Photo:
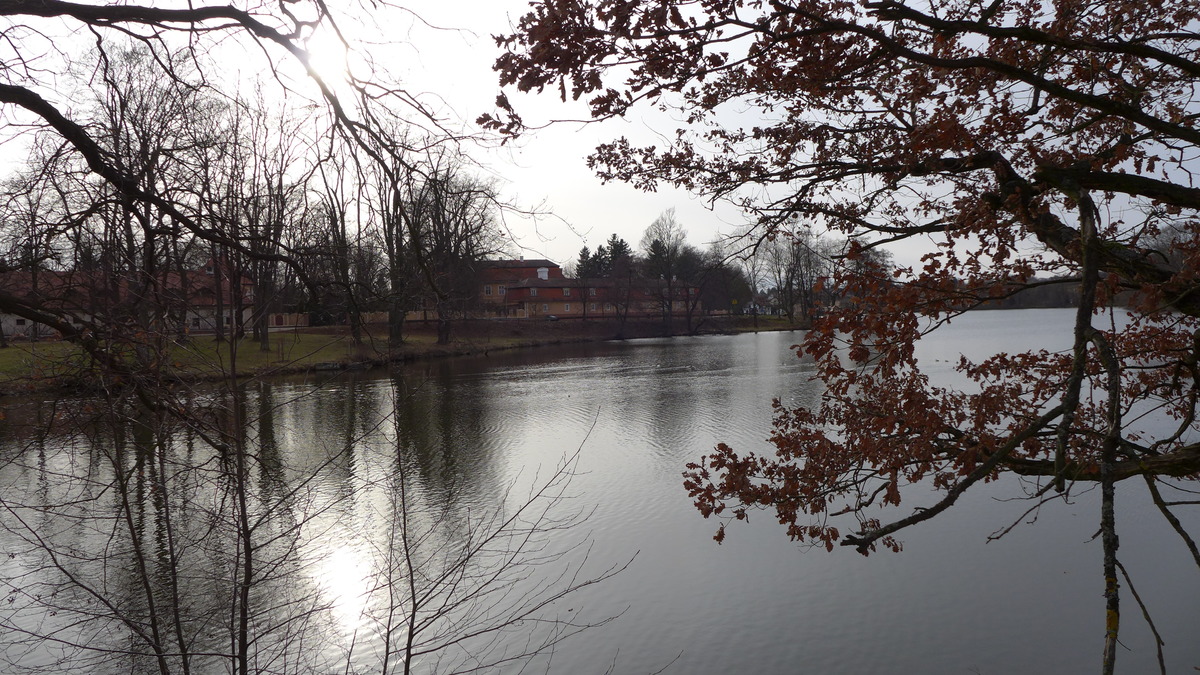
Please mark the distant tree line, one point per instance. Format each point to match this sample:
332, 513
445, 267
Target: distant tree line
789, 274
668, 267
1048, 292
793, 273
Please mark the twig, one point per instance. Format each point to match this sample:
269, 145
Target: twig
1158, 641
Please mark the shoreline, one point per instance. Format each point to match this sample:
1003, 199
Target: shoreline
329, 349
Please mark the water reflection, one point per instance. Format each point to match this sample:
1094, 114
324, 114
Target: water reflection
363, 482
237, 541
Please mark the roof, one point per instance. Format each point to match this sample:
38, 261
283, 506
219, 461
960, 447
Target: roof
86, 289
603, 282
513, 264
556, 282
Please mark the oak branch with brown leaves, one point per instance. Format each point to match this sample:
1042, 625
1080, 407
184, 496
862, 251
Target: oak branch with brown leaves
1016, 138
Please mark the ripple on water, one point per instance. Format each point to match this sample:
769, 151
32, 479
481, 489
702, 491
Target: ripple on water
468, 431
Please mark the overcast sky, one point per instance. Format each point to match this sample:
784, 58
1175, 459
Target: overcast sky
548, 165
443, 51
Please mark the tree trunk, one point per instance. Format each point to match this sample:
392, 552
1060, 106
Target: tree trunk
395, 303
443, 325
395, 324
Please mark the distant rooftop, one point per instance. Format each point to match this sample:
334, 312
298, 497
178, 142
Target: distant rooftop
509, 264
557, 282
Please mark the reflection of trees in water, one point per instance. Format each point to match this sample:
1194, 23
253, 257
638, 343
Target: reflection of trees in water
271, 532
137, 552
443, 430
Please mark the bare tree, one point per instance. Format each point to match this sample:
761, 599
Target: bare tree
797, 261
392, 199
452, 227
342, 233
274, 201
749, 253
663, 243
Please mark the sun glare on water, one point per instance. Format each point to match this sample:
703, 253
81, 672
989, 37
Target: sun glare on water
345, 576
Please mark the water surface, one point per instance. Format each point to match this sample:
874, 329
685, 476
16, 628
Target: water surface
471, 431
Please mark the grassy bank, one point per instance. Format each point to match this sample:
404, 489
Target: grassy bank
26, 366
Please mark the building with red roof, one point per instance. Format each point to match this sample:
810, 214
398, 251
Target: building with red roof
531, 289
189, 301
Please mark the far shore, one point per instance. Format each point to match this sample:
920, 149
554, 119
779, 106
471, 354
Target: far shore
47, 366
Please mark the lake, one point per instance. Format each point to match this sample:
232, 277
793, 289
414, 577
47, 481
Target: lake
469, 437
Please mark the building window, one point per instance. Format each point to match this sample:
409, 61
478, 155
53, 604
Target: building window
533, 292
592, 292
487, 290
592, 306
545, 307
500, 290
566, 292
566, 306
608, 307
227, 320
20, 322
